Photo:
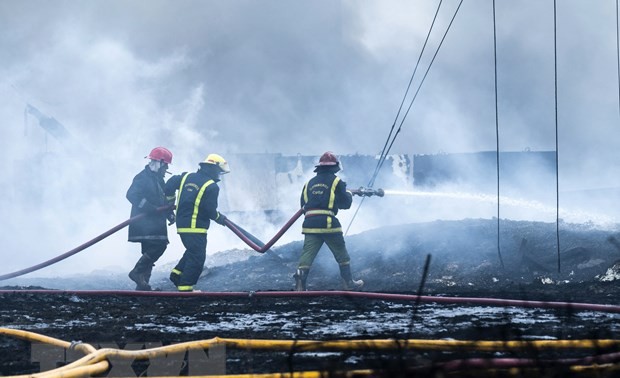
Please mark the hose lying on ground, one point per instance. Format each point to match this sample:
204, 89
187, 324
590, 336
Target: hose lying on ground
501, 302
96, 361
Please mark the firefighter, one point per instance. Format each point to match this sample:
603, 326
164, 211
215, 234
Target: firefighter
146, 194
321, 198
196, 207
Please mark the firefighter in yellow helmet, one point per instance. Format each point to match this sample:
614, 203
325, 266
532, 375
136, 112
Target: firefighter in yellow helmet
321, 198
196, 207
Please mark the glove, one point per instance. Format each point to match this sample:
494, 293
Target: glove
171, 218
220, 219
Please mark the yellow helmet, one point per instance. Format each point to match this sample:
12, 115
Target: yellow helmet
216, 159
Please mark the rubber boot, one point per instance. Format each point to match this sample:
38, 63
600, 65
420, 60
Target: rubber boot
348, 283
301, 275
140, 273
175, 276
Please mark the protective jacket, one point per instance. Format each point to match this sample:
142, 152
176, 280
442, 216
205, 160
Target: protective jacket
321, 198
146, 194
196, 201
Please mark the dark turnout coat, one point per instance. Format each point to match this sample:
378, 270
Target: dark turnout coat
321, 198
197, 200
146, 194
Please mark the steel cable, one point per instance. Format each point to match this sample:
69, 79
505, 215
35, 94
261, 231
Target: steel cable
557, 154
415, 69
499, 252
618, 52
390, 142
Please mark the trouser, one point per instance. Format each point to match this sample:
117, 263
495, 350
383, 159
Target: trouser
314, 242
193, 260
154, 249
151, 252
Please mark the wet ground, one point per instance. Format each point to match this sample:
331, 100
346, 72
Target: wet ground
129, 322
464, 261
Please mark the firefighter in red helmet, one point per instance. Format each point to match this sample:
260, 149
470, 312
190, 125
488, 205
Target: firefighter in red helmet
321, 198
146, 194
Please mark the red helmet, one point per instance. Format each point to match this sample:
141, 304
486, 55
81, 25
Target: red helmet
161, 154
328, 159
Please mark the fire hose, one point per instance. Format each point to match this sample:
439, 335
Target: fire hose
244, 235
97, 361
254, 243
81, 247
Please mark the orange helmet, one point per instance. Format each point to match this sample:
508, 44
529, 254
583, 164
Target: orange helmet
161, 154
328, 159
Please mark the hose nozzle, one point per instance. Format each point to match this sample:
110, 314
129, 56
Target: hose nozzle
367, 192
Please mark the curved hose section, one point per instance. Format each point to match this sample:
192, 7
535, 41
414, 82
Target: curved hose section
253, 242
81, 247
96, 362
244, 235
31, 336
571, 306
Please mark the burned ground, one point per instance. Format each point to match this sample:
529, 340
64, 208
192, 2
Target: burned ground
464, 261
464, 258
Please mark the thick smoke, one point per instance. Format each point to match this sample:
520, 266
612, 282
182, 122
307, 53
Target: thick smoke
238, 77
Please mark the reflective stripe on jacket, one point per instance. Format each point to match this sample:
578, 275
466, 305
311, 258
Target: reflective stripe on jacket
196, 201
321, 198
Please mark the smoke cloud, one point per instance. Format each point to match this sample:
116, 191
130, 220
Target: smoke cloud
277, 77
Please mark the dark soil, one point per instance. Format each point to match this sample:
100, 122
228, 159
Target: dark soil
463, 260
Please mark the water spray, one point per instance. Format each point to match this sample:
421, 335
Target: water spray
574, 215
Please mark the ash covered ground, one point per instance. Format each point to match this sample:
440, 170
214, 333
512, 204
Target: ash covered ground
464, 261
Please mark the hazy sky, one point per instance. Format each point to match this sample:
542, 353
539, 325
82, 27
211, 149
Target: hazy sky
235, 76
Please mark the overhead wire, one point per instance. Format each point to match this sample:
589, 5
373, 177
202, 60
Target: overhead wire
378, 166
371, 182
499, 252
391, 138
420, 85
618, 52
557, 154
